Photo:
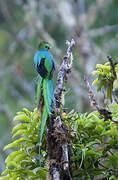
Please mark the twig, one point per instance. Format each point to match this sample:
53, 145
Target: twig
91, 95
103, 112
112, 66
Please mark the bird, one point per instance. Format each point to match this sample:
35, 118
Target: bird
45, 66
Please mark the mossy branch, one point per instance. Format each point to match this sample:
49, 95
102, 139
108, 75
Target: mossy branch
59, 146
64, 70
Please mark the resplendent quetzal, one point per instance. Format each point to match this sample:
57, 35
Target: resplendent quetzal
45, 66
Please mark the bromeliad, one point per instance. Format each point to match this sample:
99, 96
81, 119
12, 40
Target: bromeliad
45, 66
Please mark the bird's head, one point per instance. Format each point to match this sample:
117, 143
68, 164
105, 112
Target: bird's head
43, 45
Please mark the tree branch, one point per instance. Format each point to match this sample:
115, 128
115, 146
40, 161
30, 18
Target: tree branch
112, 66
58, 136
65, 69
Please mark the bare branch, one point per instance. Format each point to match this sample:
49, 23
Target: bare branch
65, 69
91, 95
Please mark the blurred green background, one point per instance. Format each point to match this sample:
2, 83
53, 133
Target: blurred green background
24, 23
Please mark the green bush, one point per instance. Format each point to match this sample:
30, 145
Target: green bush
23, 163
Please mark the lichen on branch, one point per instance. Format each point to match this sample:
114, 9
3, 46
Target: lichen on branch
58, 148
64, 70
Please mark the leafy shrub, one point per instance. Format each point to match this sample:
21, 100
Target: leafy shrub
23, 162
94, 146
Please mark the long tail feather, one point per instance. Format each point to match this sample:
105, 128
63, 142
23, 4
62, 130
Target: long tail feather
43, 122
39, 90
52, 92
48, 93
47, 99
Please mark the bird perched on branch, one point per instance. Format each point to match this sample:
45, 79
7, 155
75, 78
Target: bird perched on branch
45, 66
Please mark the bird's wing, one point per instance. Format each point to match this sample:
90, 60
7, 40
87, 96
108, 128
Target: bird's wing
39, 90
41, 69
52, 71
50, 66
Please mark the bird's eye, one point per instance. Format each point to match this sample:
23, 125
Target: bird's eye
47, 47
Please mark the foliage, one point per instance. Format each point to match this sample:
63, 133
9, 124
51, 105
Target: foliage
105, 78
93, 145
23, 162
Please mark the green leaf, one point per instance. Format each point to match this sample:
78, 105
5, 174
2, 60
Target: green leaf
92, 143
35, 115
90, 152
15, 143
21, 116
6, 171
41, 171
20, 157
113, 160
74, 158
86, 164
12, 163
113, 178
100, 84
114, 130
20, 126
27, 112
14, 155
99, 128
95, 81
21, 132
5, 178
84, 150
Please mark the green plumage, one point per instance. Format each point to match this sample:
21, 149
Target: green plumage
44, 63
47, 99
39, 90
